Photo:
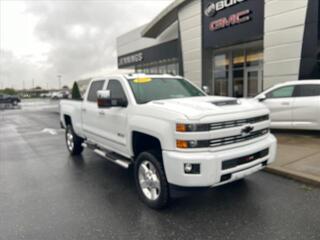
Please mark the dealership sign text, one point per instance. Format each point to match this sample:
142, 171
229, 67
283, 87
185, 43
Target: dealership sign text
234, 19
213, 8
134, 58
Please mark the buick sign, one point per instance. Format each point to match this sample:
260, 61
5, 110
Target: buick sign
213, 8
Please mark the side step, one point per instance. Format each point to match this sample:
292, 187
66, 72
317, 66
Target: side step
111, 156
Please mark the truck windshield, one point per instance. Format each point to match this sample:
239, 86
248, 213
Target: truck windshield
150, 89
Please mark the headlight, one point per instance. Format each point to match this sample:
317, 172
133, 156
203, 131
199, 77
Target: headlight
181, 127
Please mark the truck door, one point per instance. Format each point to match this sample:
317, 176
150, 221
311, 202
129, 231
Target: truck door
90, 112
112, 121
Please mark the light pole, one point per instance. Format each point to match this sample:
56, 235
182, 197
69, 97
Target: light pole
59, 79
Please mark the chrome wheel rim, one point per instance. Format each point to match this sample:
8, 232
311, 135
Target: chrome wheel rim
149, 180
70, 142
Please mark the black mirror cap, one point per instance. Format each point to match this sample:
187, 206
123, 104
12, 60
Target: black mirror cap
104, 103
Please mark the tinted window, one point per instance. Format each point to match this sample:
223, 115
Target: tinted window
116, 90
283, 92
94, 88
307, 91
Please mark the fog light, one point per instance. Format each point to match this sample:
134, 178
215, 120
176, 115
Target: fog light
190, 168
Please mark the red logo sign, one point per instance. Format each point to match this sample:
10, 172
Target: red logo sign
234, 19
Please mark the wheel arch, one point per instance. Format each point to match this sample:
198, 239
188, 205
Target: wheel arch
67, 120
141, 142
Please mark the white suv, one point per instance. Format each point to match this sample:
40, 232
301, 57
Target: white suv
294, 105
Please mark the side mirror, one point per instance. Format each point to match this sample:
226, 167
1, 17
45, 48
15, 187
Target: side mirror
206, 89
262, 98
105, 100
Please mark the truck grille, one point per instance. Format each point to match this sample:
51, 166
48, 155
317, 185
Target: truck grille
237, 138
237, 123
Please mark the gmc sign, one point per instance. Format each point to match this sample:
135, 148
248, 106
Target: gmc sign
234, 19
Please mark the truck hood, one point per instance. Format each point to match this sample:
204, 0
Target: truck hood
200, 107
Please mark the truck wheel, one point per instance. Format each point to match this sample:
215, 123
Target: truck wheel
73, 141
151, 181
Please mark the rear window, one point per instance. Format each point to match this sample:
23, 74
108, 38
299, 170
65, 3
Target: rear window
309, 90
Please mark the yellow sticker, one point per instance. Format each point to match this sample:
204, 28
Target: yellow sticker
142, 80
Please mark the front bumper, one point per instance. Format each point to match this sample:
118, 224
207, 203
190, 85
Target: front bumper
211, 170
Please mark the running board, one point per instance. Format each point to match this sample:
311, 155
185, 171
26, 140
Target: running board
112, 157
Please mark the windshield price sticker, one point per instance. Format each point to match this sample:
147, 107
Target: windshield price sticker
142, 80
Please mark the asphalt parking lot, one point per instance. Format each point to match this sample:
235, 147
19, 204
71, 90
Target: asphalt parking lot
46, 194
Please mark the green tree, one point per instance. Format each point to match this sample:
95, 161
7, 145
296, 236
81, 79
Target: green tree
76, 92
9, 91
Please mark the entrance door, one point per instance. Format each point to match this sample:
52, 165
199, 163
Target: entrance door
252, 82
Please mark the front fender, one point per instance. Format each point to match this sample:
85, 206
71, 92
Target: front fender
158, 128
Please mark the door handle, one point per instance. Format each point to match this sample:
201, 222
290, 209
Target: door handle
285, 104
83, 109
101, 113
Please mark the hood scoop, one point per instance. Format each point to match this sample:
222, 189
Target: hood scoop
223, 103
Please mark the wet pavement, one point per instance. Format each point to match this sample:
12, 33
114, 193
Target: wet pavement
46, 194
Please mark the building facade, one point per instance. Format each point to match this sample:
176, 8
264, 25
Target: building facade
235, 47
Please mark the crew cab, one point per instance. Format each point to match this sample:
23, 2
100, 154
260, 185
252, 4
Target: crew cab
170, 132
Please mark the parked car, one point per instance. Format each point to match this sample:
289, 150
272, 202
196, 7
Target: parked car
60, 95
45, 95
9, 99
170, 131
294, 105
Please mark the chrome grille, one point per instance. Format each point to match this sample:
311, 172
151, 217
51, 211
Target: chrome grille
237, 123
237, 138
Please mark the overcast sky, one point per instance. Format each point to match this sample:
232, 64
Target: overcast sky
75, 38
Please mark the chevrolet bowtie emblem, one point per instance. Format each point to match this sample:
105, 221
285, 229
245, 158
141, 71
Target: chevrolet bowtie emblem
247, 130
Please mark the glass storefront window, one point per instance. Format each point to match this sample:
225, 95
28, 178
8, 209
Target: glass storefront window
169, 66
162, 69
238, 59
221, 62
221, 74
238, 83
254, 57
173, 69
221, 83
253, 82
238, 72
154, 70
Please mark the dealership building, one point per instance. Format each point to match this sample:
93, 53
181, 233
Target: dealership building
235, 47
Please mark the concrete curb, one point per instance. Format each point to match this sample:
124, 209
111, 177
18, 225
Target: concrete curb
298, 176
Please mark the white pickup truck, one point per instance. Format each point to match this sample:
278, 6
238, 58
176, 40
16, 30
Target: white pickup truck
170, 131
